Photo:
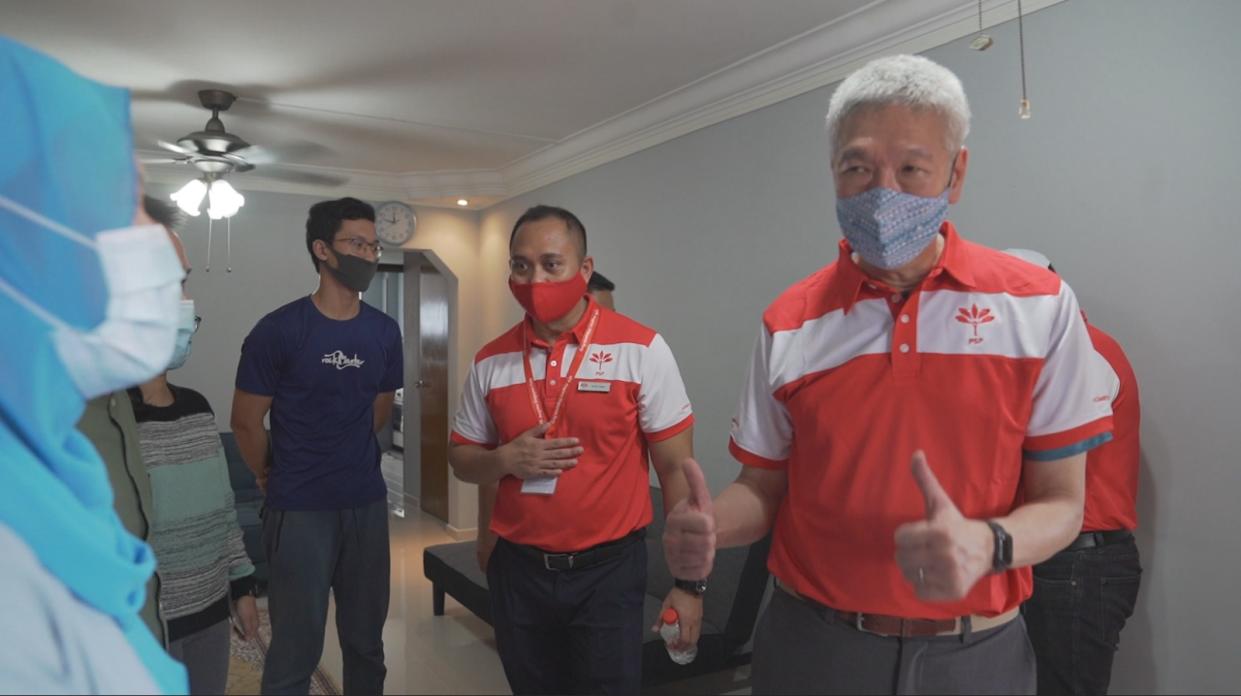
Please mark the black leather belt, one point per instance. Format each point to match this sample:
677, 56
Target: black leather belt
1090, 540
578, 560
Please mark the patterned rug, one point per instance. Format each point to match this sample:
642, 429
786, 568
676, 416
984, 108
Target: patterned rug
245, 663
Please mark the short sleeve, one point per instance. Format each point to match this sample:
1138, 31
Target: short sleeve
1072, 410
262, 359
762, 431
473, 424
394, 367
663, 405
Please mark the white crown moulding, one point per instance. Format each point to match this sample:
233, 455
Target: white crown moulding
814, 59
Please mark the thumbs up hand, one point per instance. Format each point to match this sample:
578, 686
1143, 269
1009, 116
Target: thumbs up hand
689, 530
945, 554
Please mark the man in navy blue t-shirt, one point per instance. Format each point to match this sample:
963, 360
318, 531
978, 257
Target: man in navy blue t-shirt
326, 367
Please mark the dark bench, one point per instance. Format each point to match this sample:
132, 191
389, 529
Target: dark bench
739, 585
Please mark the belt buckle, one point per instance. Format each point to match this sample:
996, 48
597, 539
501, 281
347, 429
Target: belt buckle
857, 623
547, 560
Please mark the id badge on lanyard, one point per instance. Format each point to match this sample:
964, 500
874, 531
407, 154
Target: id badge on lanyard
546, 485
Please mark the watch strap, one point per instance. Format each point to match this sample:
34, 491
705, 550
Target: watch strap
694, 587
1002, 556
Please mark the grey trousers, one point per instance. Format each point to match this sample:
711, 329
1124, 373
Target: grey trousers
799, 651
205, 656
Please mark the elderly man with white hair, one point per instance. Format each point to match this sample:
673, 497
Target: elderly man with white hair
913, 428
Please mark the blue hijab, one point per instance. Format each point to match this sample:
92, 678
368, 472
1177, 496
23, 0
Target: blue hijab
65, 153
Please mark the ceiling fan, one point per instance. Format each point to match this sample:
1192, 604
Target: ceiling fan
215, 152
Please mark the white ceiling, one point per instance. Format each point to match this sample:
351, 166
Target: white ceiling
433, 99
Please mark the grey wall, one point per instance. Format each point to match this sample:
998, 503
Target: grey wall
1123, 177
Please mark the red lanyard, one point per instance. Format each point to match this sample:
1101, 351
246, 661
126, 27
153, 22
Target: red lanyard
535, 401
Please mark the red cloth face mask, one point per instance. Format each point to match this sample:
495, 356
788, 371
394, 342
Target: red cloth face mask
549, 301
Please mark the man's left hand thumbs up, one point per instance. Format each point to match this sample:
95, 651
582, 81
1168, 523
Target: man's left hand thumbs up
945, 554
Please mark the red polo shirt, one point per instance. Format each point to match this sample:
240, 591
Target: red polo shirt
627, 393
1112, 469
985, 364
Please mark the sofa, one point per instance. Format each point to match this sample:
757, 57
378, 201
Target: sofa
249, 503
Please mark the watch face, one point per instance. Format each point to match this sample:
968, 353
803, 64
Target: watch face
394, 223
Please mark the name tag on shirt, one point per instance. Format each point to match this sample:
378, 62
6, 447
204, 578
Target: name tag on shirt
542, 485
597, 387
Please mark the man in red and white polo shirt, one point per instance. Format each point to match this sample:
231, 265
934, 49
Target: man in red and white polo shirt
563, 411
1084, 595
913, 427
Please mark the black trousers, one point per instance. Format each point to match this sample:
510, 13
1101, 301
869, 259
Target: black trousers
344, 552
1081, 601
570, 631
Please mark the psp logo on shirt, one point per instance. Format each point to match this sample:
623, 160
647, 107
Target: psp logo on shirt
600, 359
340, 362
975, 317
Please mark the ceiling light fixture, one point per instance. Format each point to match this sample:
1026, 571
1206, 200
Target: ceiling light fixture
462, 202
190, 196
983, 41
223, 202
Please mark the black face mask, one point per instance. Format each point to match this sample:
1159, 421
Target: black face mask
353, 272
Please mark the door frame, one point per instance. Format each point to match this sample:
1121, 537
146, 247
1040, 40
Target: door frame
413, 409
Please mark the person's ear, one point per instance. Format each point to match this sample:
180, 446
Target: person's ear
959, 165
588, 267
320, 248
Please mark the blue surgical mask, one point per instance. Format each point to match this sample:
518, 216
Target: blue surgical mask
187, 324
887, 228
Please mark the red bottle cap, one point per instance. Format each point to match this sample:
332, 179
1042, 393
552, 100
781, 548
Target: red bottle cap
669, 616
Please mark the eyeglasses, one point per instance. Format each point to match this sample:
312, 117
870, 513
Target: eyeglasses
359, 245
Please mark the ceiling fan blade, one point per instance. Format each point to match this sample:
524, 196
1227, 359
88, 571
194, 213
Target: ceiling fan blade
162, 160
175, 148
293, 152
296, 176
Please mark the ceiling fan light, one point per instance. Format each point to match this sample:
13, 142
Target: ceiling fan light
224, 200
190, 196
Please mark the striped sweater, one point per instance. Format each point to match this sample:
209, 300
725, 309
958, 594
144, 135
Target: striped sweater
194, 530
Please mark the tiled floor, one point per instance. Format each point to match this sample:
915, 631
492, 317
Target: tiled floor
426, 654
454, 653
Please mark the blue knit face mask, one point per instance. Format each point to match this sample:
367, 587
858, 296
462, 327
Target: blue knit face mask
887, 228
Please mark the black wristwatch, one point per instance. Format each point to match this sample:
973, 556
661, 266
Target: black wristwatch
1002, 559
694, 587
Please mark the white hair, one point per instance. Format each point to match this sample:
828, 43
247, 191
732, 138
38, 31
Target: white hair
912, 81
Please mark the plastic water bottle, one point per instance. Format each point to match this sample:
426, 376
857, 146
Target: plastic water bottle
670, 631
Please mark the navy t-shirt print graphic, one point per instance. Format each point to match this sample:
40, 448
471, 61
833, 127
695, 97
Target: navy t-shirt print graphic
338, 360
323, 376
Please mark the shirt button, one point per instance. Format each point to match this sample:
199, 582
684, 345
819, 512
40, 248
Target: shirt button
904, 318
904, 347
896, 297
553, 363
553, 382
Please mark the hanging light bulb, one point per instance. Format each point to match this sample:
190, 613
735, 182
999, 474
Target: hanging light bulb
1023, 111
190, 197
224, 200
983, 41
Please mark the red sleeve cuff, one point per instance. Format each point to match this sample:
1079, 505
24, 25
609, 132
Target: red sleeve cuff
748, 458
675, 430
459, 439
1066, 438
